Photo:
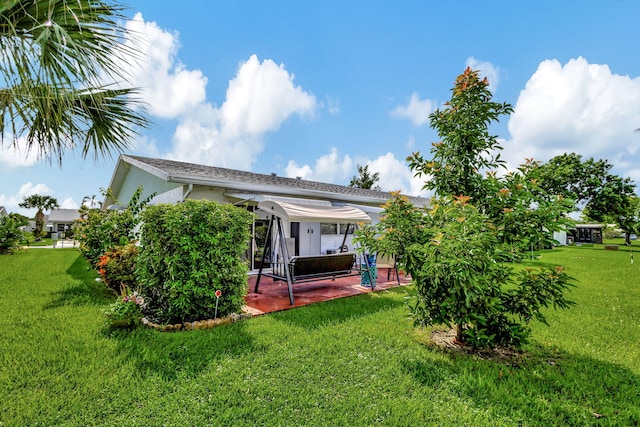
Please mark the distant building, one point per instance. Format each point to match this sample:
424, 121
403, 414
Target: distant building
587, 233
3, 212
61, 220
173, 182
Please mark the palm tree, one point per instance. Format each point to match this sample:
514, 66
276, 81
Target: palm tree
42, 203
89, 203
365, 179
56, 57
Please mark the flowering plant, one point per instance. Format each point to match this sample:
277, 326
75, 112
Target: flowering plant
126, 311
117, 265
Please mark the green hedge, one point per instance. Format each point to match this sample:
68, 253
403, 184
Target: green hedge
187, 252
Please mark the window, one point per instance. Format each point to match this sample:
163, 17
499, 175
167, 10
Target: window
328, 228
343, 227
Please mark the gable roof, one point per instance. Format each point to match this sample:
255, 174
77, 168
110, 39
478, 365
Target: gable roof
63, 215
247, 182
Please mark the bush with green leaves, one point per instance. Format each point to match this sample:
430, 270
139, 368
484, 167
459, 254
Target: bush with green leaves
100, 230
10, 235
187, 253
457, 264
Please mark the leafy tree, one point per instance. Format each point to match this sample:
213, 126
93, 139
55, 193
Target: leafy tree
57, 54
524, 214
455, 252
629, 219
599, 193
466, 147
42, 203
365, 179
10, 234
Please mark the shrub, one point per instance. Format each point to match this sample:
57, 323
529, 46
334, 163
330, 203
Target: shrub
10, 235
126, 311
187, 252
117, 267
101, 230
457, 264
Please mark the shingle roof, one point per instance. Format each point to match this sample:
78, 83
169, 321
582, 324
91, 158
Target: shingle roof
63, 215
182, 172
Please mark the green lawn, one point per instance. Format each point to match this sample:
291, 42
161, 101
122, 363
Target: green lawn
353, 362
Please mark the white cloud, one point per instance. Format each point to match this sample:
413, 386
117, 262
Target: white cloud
333, 105
578, 107
259, 99
30, 189
395, 175
10, 202
16, 155
168, 88
69, 203
417, 110
487, 69
327, 168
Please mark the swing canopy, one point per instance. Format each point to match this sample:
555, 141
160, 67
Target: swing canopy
294, 212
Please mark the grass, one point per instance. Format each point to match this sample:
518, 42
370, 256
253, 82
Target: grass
356, 361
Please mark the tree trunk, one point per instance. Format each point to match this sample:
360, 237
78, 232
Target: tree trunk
39, 225
459, 336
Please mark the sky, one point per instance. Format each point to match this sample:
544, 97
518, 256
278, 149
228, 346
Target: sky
314, 89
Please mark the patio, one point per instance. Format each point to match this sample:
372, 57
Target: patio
273, 295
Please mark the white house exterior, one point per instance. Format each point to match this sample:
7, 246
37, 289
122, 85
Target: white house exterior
61, 220
174, 182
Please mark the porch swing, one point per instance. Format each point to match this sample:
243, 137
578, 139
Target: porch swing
298, 269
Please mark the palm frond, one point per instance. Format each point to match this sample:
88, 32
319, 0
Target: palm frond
57, 55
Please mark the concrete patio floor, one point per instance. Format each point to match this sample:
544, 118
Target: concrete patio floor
274, 295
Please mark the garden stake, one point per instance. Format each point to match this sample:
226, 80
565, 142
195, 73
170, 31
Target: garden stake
218, 293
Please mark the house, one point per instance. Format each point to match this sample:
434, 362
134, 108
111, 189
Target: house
174, 181
587, 233
3, 212
61, 220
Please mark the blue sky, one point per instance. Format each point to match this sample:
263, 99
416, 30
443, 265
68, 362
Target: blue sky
313, 89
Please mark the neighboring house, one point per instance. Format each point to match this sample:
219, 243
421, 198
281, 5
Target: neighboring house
61, 220
587, 233
3, 212
174, 182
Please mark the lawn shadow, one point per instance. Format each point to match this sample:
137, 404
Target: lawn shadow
174, 355
84, 289
341, 310
546, 387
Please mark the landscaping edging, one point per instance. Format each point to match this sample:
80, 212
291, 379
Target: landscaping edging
198, 324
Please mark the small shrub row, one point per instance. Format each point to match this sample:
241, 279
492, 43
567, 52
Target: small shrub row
186, 259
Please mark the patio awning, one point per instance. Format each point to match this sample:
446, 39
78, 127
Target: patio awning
304, 213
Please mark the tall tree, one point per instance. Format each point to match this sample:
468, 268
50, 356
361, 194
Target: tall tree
42, 203
466, 148
57, 56
365, 179
455, 251
600, 194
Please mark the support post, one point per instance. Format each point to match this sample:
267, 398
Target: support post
267, 244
